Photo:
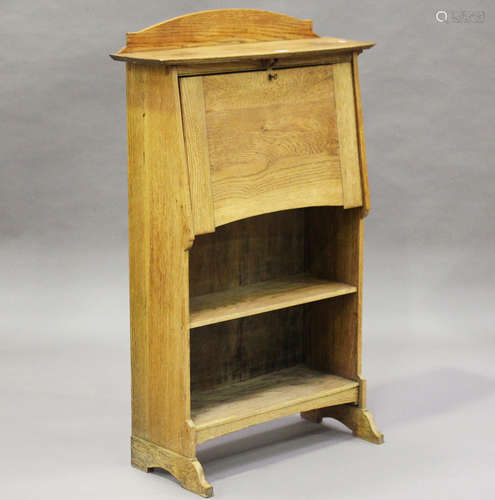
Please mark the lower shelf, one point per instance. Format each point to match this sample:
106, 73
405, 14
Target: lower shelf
233, 407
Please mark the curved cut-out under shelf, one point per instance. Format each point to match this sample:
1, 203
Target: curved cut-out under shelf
262, 297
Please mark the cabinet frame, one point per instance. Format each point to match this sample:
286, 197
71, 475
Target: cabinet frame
167, 211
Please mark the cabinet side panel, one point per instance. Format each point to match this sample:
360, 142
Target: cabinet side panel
348, 141
160, 232
334, 249
360, 132
139, 229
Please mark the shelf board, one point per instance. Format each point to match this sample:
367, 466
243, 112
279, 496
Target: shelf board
262, 297
232, 407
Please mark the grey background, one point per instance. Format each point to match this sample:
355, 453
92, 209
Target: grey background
429, 278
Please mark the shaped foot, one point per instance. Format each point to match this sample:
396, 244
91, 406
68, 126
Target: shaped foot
188, 471
359, 420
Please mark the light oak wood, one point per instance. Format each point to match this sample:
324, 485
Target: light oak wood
194, 119
262, 297
248, 251
360, 136
263, 248
246, 347
160, 232
247, 192
236, 406
234, 52
212, 27
346, 125
272, 142
147, 456
335, 251
359, 420
207, 68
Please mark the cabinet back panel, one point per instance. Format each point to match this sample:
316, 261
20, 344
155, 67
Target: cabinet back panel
324, 241
256, 249
243, 348
247, 251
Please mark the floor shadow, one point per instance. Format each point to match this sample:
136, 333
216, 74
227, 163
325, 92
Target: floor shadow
435, 392
267, 443
398, 402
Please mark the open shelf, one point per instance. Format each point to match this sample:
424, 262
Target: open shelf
262, 297
231, 407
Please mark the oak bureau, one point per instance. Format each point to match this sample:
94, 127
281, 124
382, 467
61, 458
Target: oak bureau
247, 194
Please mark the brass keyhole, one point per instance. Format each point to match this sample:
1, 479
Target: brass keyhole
272, 76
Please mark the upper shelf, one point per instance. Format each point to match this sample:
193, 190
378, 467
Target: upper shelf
231, 52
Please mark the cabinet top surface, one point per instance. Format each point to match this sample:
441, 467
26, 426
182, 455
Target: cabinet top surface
277, 49
230, 35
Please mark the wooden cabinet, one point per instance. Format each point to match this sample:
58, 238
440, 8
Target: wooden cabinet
247, 193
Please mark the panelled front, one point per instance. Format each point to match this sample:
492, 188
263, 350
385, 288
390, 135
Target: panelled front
264, 141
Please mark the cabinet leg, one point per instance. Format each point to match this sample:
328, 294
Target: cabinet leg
359, 420
188, 471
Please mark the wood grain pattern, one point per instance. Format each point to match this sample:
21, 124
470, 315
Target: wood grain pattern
234, 52
272, 143
262, 297
198, 163
360, 137
252, 250
147, 456
236, 406
249, 251
252, 90
160, 231
263, 163
347, 128
205, 68
212, 27
247, 347
359, 420
335, 252
289, 183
